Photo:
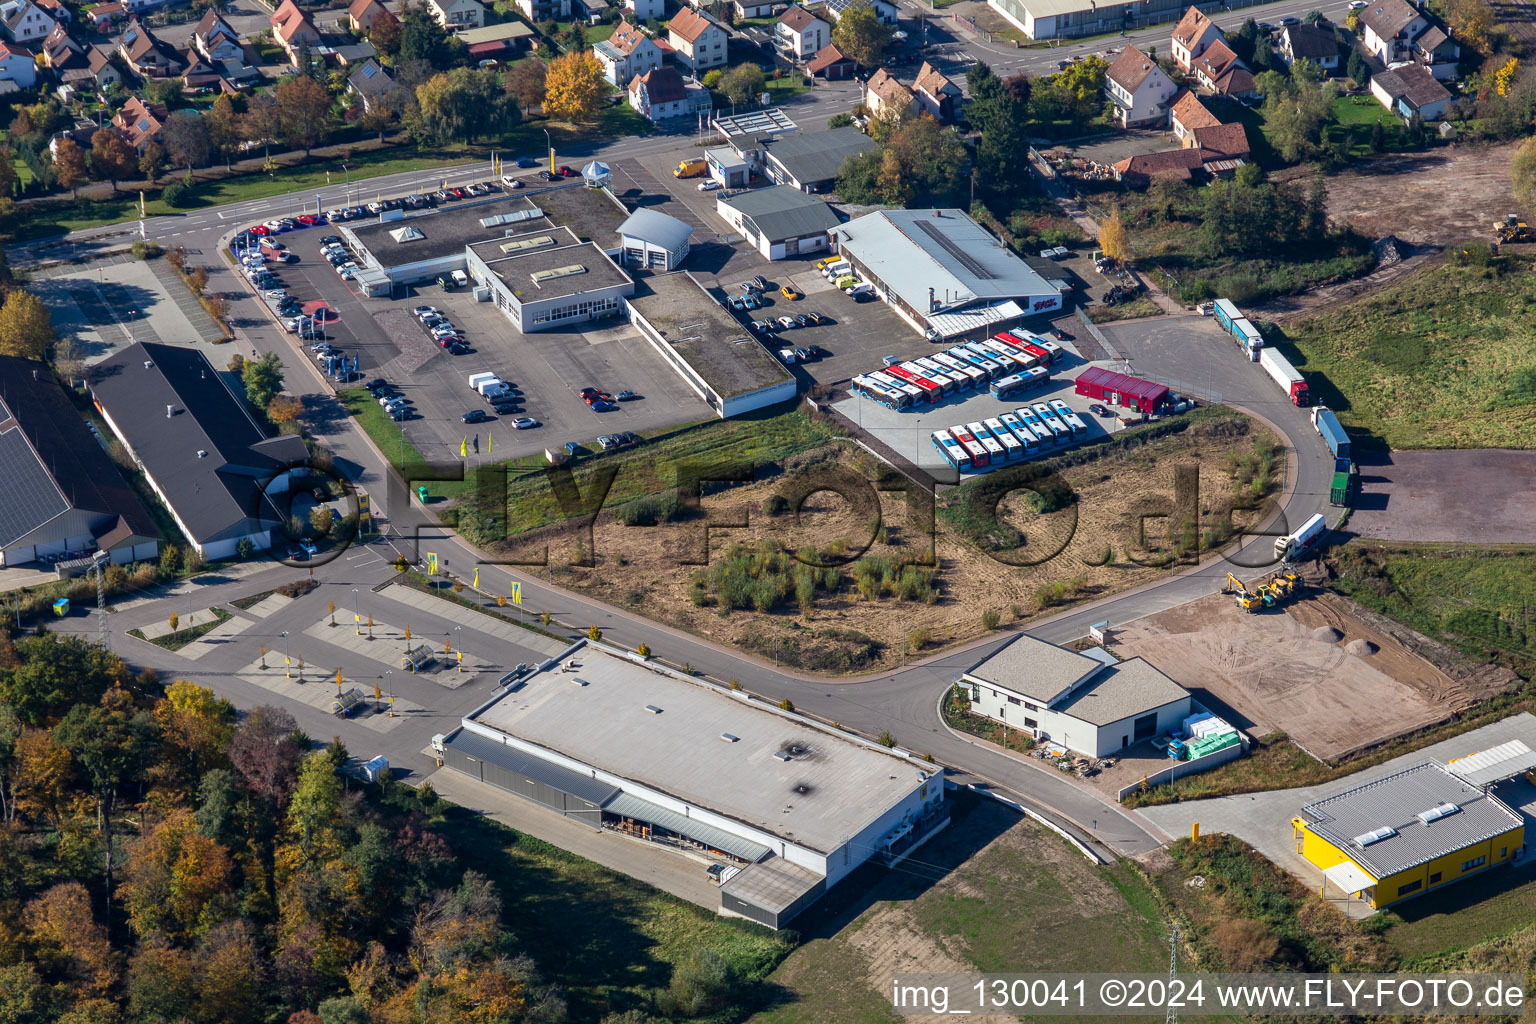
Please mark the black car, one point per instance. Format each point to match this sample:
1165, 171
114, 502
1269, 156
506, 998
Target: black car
474, 416
376, 384
625, 437
458, 348
507, 408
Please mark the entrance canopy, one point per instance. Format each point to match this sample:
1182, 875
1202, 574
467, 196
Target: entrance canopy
1348, 877
1495, 764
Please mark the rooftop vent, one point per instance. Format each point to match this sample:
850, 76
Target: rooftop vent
1437, 812
729, 738
170, 410
202, 453
780, 755
652, 709
579, 681
1375, 836
793, 750
148, 364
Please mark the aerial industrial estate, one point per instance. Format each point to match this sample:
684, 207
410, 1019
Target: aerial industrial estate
697, 511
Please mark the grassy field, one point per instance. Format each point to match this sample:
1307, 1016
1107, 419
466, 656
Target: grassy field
782, 89
386, 433
1443, 929
609, 941
179, 639
753, 441
1441, 359
990, 893
1133, 310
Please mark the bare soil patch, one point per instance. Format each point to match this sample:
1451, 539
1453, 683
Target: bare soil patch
1295, 670
1450, 194
652, 569
1449, 496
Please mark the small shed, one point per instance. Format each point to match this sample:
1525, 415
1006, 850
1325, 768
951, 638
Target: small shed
652, 240
1120, 389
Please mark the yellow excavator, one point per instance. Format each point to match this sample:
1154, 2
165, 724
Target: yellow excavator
1285, 584
1512, 229
1248, 602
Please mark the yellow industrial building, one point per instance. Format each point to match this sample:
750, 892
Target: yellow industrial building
1406, 834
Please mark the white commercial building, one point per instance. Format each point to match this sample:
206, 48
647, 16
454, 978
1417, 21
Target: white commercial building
788, 805
780, 221
546, 278
930, 265
1088, 702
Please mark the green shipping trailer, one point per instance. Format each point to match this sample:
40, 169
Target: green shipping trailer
1342, 493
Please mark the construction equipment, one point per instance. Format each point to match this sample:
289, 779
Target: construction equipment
1513, 229
1246, 600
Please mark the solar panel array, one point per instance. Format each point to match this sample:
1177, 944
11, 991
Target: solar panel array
964, 258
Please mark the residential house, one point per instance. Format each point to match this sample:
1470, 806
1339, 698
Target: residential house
103, 16
1388, 28
1192, 36
57, 11
293, 28
1220, 71
1310, 42
198, 73
698, 40
140, 122
1217, 151
17, 65
645, 10
752, 9
1139, 89
146, 55
60, 493
217, 40
103, 71
661, 93
1222, 140
60, 51
452, 14
831, 63
800, 35
198, 446
24, 22
884, 92
543, 10
371, 84
1187, 114
1411, 89
885, 11
362, 14
626, 53
1438, 52
936, 95
593, 11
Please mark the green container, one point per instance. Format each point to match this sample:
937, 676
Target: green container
1342, 490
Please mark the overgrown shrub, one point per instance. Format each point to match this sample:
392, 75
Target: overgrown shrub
146, 250
175, 194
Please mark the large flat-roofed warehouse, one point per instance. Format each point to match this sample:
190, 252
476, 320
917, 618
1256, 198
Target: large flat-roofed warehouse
420, 246
812, 160
707, 346
1068, 19
607, 738
1406, 834
545, 279
943, 273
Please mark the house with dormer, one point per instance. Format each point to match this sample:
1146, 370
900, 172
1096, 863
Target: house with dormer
626, 53
698, 40
140, 122
60, 51
800, 35
24, 22
216, 40
1315, 43
936, 95
1192, 36
145, 55
884, 93
1139, 89
1187, 114
103, 71
1222, 73
661, 93
371, 84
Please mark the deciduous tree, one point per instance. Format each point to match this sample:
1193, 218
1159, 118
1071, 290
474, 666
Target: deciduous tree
861, 35
1522, 173
69, 165
573, 87
69, 940
385, 35
266, 752
111, 157
303, 108
26, 327
1112, 236
743, 83
151, 160
224, 128
526, 83
197, 723
1471, 23
262, 378
187, 139
421, 37
262, 122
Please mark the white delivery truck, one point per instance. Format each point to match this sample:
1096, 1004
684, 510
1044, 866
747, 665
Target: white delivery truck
488, 383
476, 378
1293, 545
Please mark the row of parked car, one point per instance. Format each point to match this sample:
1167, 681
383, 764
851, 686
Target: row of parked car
503, 396
390, 398
441, 330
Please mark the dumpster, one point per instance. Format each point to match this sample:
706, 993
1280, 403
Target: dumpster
61, 607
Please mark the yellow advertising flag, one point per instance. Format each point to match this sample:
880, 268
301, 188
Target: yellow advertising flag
477, 577
490, 443
464, 447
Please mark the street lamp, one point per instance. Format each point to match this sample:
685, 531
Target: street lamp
287, 674
550, 149
389, 678
357, 619
460, 631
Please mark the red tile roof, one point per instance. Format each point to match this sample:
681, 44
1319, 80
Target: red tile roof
826, 57
1192, 114
1130, 69
690, 24
662, 85
1190, 26
1225, 139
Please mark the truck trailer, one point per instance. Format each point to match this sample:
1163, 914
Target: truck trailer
1293, 545
1327, 424
1284, 374
1248, 337
1342, 492
1226, 313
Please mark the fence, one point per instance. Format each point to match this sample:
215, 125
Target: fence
1179, 769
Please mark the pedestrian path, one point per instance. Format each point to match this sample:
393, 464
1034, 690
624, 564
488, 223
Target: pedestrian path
483, 623
222, 574
179, 293
318, 691
268, 605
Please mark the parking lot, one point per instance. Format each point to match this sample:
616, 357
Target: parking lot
549, 368
908, 433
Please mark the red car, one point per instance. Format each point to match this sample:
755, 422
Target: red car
259, 229
600, 396
566, 171
307, 219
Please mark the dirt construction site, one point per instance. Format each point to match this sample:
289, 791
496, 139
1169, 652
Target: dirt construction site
1437, 198
1332, 676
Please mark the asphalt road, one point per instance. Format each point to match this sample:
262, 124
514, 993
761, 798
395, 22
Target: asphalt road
903, 703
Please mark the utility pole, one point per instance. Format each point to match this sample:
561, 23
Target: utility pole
1173, 969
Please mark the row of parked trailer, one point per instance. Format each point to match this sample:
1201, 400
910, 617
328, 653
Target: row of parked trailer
1271, 362
1009, 437
1009, 364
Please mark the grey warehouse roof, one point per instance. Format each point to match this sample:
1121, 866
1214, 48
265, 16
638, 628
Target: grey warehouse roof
816, 156
546, 273
657, 228
1121, 691
783, 212
713, 342
1035, 669
913, 251
1395, 803
1495, 764
779, 773
447, 230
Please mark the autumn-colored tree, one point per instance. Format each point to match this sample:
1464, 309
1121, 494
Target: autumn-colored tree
262, 122
385, 34
69, 165
229, 975
68, 940
112, 158
162, 982
176, 883
224, 128
573, 87
1471, 23
26, 326
1113, 238
303, 108
526, 83
198, 724
284, 409
1522, 173
43, 772
8, 175
151, 161
266, 752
